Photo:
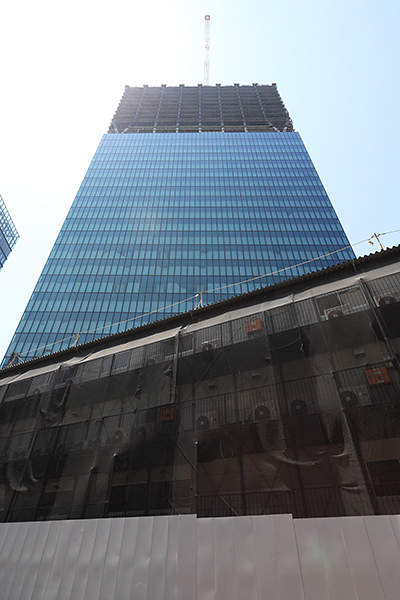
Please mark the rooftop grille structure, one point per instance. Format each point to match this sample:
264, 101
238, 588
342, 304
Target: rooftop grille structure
8, 233
202, 108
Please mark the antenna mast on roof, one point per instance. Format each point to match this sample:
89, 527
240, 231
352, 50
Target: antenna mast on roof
207, 50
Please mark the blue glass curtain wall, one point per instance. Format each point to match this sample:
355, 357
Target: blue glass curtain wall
160, 218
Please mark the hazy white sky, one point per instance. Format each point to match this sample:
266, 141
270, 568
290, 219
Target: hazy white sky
64, 67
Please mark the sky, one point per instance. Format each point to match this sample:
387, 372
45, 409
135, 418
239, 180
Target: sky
64, 67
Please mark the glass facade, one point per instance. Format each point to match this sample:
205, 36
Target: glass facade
163, 217
8, 233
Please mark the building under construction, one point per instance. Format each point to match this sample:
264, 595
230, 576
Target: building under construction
276, 405
228, 440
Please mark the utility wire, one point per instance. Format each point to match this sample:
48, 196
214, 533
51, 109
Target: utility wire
97, 329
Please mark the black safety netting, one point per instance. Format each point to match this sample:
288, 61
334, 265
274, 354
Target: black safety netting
292, 408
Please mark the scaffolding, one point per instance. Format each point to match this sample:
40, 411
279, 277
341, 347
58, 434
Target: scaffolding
289, 403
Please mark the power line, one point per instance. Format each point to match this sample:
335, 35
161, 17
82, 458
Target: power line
76, 336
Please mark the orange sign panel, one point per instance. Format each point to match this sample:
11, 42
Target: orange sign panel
167, 413
377, 376
253, 325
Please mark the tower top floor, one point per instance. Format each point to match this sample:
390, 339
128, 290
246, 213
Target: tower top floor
183, 109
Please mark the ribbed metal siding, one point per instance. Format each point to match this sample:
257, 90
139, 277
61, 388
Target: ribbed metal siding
182, 558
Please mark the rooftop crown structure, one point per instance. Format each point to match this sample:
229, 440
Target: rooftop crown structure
193, 109
194, 195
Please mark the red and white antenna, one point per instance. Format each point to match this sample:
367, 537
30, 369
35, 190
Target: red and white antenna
207, 50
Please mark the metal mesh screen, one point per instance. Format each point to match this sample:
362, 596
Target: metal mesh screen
293, 409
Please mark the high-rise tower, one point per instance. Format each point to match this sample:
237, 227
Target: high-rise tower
8, 233
192, 191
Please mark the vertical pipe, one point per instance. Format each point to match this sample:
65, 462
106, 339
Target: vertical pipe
207, 50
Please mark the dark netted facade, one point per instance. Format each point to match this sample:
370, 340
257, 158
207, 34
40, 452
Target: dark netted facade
285, 400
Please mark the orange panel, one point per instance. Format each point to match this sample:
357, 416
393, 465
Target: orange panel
377, 375
253, 325
167, 413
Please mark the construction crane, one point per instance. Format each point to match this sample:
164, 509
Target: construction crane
207, 50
